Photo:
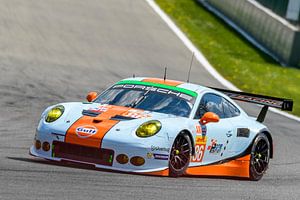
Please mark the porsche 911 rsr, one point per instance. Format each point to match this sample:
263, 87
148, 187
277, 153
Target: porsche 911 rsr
160, 127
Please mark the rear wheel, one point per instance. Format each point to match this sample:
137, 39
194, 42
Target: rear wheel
180, 155
260, 156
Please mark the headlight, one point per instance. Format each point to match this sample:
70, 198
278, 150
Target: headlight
54, 113
148, 129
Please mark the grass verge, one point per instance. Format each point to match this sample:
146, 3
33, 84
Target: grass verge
235, 58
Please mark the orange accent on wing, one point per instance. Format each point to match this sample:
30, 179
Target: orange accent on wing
162, 81
102, 123
164, 172
238, 167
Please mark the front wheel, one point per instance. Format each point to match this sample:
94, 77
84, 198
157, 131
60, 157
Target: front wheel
180, 155
260, 156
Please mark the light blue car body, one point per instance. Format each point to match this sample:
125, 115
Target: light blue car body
122, 138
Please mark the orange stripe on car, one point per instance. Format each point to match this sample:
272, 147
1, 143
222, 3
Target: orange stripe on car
164, 172
89, 131
162, 81
238, 167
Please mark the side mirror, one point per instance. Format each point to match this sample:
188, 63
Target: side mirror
91, 96
209, 117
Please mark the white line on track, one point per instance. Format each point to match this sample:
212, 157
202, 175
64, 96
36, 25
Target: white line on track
200, 57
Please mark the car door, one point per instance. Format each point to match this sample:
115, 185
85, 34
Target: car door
211, 138
240, 134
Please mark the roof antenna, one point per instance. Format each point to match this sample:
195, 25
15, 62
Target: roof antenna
165, 75
188, 79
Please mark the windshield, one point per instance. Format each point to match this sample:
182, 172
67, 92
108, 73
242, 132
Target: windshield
148, 98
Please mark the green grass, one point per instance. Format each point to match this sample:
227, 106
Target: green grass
231, 55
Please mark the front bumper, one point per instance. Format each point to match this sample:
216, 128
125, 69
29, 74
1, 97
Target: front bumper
153, 162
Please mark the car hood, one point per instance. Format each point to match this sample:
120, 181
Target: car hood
87, 123
75, 110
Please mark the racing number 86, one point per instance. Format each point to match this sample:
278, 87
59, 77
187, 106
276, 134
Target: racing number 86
199, 153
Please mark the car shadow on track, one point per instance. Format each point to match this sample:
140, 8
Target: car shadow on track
69, 164
61, 164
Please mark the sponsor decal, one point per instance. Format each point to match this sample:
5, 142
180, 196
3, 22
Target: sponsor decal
255, 99
204, 130
157, 148
214, 147
228, 134
224, 148
149, 155
155, 89
133, 113
198, 130
161, 156
100, 109
213, 142
86, 131
200, 139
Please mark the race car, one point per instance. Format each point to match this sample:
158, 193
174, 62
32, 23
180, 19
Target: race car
161, 127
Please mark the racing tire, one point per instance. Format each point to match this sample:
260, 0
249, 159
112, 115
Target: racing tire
180, 155
260, 156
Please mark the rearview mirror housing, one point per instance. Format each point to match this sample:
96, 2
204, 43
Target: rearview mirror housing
91, 96
209, 117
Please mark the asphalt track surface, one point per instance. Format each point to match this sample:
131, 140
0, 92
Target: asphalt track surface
57, 51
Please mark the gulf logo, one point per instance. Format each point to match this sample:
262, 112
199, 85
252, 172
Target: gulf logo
86, 131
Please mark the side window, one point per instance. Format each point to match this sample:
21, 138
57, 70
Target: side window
210, 103
229, 109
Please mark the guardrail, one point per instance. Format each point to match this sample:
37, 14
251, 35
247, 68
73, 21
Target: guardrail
288, 9
280, 38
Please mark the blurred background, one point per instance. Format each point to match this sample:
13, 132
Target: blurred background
253, 44
274, 24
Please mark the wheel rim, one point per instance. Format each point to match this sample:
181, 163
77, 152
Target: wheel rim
261, 156
180, 153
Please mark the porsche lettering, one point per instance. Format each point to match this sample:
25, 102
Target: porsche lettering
155, 89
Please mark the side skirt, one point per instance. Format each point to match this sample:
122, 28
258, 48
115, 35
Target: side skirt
238, 168
164, 172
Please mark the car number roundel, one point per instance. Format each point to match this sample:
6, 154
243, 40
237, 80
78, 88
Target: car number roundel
86, 131
199, 148
199, 153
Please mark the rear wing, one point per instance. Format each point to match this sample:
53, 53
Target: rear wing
266, 101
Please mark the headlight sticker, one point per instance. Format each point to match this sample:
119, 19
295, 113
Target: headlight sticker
54, 113
148, 129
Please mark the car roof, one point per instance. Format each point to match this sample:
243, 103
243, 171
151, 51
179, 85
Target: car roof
172, 83
195, 88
